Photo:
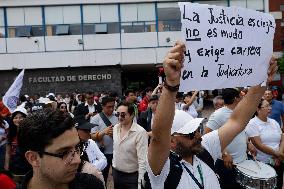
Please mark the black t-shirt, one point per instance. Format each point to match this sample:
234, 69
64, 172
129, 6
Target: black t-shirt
81, 181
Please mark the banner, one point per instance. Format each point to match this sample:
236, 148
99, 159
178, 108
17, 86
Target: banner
11, 97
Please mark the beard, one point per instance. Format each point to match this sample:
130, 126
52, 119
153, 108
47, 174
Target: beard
184, 150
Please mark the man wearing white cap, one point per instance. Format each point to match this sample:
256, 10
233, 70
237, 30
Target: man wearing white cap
185, 139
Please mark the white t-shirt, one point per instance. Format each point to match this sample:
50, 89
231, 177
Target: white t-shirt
211, 143
191, 110
269, 133
96, 157
237, 148
3, 133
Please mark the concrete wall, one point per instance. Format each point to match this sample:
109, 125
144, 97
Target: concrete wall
71, 79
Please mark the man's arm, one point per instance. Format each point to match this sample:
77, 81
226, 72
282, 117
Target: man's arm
244, 110
192, 99
159, 147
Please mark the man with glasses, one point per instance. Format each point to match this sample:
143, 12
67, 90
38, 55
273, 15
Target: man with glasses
194, 172
129, 149
102, 133
49, 142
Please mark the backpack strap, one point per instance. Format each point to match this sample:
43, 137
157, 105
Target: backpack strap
176, 169
175, 173
105, 119
173, 177
206, 157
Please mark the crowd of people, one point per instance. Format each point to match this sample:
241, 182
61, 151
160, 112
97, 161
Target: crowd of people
156, 140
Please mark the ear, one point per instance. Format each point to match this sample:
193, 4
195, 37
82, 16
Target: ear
33, 158
173, 142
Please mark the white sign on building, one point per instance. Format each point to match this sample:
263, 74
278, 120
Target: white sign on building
226, 46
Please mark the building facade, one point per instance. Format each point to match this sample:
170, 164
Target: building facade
81, 45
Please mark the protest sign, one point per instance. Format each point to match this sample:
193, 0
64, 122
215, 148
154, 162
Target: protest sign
226, 46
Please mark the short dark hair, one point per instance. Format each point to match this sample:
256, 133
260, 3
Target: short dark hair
229, 95
148, 89
90, 93
60, 103
128, 91
130, 107
41, 127
259, 106
106, 100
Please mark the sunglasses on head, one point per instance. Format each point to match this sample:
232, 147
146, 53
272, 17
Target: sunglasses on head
121, 114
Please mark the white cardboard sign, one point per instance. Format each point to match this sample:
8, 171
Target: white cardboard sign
226, 46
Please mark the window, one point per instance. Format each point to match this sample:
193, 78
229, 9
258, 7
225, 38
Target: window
24, 22
169, 17
282, 7
23, 31
138, 18
63, 20
2, 28
100, 19
238, 3
223, 3
255, 5
62, 30
101, 28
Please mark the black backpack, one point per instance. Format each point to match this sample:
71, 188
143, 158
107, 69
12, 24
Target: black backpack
176, 170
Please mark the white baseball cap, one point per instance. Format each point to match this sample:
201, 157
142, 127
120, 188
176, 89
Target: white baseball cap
190, 126
180, 120
21, 109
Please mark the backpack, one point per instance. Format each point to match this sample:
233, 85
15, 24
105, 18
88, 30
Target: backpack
176, 170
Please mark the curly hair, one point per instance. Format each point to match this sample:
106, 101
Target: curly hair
41, 127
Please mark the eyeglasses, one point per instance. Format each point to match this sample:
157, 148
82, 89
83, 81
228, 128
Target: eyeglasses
191, 136
63, 107
121, 114
66, 156
266, 106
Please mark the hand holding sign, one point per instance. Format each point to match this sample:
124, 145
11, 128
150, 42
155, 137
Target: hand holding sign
173, 64
226, 46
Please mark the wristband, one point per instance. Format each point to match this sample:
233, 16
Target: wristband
171, 88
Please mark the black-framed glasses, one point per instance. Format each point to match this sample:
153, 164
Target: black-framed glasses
63, 107
121, 114
66, 156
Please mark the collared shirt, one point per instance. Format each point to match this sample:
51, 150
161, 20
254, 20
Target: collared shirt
277, 111
107, 140
96, 157
211, 143
269, 133
91, 107
129, 153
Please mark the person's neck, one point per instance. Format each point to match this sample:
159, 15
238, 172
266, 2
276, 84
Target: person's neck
262, 118
189, 159
230, 106
108, 115
269, 100
35, 182
126, 126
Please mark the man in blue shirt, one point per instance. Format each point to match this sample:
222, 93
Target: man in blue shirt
277, 112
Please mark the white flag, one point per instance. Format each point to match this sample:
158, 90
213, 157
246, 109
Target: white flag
11, 97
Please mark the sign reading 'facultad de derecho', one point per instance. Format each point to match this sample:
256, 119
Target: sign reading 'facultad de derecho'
69, 78
226, 46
